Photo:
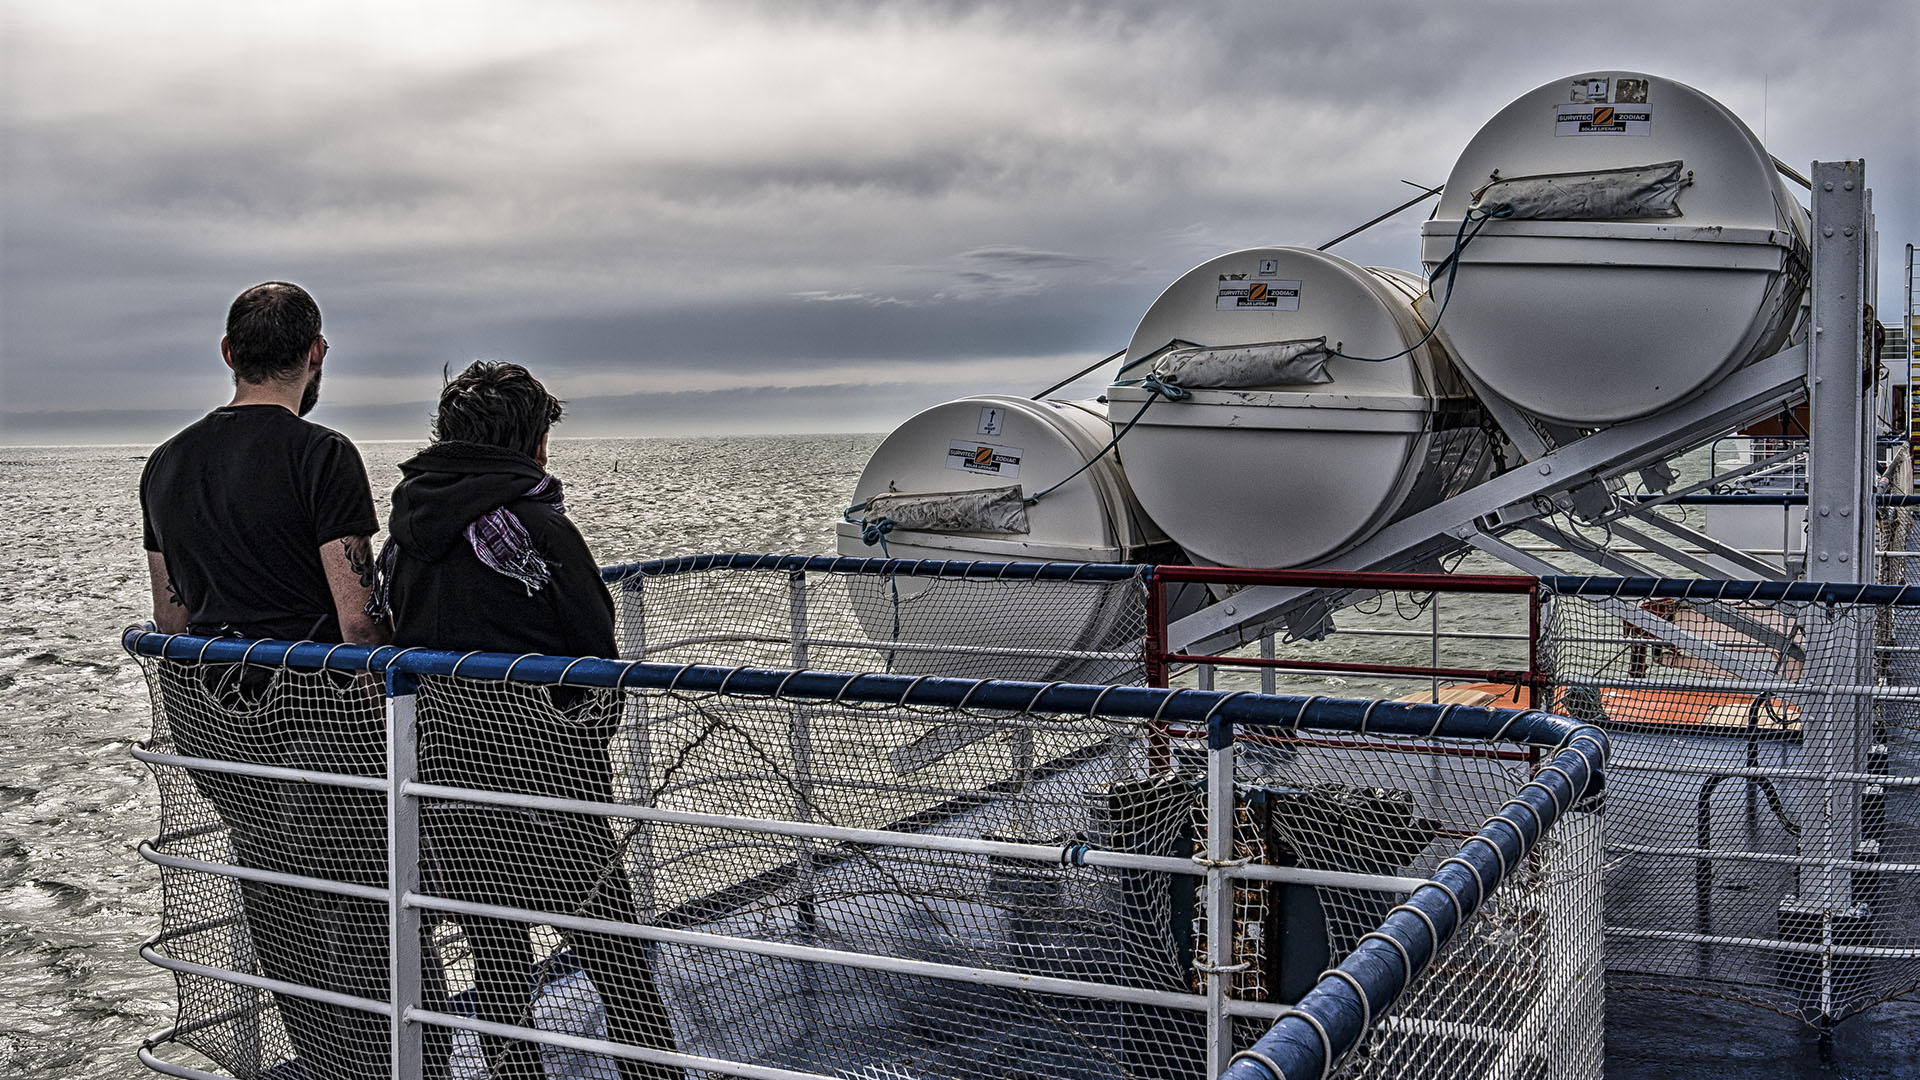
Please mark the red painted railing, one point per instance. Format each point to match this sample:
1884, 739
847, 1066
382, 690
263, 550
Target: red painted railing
1160, 661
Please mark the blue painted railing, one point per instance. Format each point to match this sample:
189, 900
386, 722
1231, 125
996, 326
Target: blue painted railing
1803, 592
979, 570
1310, 1037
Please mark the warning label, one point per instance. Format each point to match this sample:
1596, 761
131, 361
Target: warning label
1589, 89
1239, 294
986, 458
1602, 120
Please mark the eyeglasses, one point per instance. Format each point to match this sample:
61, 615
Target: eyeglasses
322, 339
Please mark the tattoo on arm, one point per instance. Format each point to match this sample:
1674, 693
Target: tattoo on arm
173, 595
359, 552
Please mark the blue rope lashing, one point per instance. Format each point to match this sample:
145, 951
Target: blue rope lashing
875, 532
871, 533
1168, 390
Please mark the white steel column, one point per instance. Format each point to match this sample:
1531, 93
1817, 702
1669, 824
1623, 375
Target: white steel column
1840, 464
1840, 456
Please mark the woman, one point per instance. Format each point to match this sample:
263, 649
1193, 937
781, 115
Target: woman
483, 557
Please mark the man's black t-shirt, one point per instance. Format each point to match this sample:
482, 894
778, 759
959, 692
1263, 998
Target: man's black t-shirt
240, 504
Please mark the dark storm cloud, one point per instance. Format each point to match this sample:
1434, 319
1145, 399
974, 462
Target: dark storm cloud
672, 193
863, 407
755, 335
1026, 258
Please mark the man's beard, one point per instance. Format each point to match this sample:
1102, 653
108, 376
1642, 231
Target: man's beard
311, 396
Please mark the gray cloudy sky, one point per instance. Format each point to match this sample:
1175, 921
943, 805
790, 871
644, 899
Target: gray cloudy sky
725, 217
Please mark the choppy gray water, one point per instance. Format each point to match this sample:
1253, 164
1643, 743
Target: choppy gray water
75, 997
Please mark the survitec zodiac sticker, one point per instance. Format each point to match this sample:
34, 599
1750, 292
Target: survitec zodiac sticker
1240, 293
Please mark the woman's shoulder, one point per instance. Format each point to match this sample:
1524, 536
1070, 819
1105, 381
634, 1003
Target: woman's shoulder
543, 518
556, 536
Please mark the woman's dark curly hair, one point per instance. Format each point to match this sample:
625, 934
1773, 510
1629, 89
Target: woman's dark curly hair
497, 404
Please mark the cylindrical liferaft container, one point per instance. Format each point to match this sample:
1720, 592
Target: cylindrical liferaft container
954, 483
1252, 434
1643, 246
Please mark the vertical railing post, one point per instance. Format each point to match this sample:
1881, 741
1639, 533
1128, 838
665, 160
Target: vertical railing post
1433, 646
1266, 673
800, 742
1907, 326
404, 947
1786, 539
1221, 818
1159, 752
1155, 643
636, 738
1536, 679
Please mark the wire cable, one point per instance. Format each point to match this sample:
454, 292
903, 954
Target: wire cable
1477, 219
1088, 370
1157, 390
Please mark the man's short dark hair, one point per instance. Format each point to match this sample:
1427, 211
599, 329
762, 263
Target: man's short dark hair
270, 327
497, 404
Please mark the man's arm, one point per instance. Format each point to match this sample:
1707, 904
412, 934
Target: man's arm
349, 565
169, 614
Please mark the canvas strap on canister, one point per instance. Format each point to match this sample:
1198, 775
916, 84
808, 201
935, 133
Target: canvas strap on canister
1641, 191
989, 510
1264, 363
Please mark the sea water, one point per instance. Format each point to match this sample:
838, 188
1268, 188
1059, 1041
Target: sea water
76, 899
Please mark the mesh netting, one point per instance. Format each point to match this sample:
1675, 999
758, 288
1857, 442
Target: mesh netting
827, 886
1519, 993
538, 742
1003, 777
297, 725
1763, 847
975, 627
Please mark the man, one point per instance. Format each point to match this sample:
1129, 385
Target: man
482, 556
258, 524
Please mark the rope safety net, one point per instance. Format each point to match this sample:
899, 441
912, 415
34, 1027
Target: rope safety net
822, 884
1766, 775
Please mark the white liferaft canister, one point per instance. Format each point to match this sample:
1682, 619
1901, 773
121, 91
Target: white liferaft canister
1009, 630
1290, 473
1587, 319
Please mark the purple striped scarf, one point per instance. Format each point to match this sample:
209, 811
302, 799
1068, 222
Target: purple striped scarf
501, 541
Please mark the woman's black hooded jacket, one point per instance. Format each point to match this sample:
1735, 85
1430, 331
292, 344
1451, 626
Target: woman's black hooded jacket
549, 741
443, 597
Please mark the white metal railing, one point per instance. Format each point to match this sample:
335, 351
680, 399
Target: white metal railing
1432, 906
